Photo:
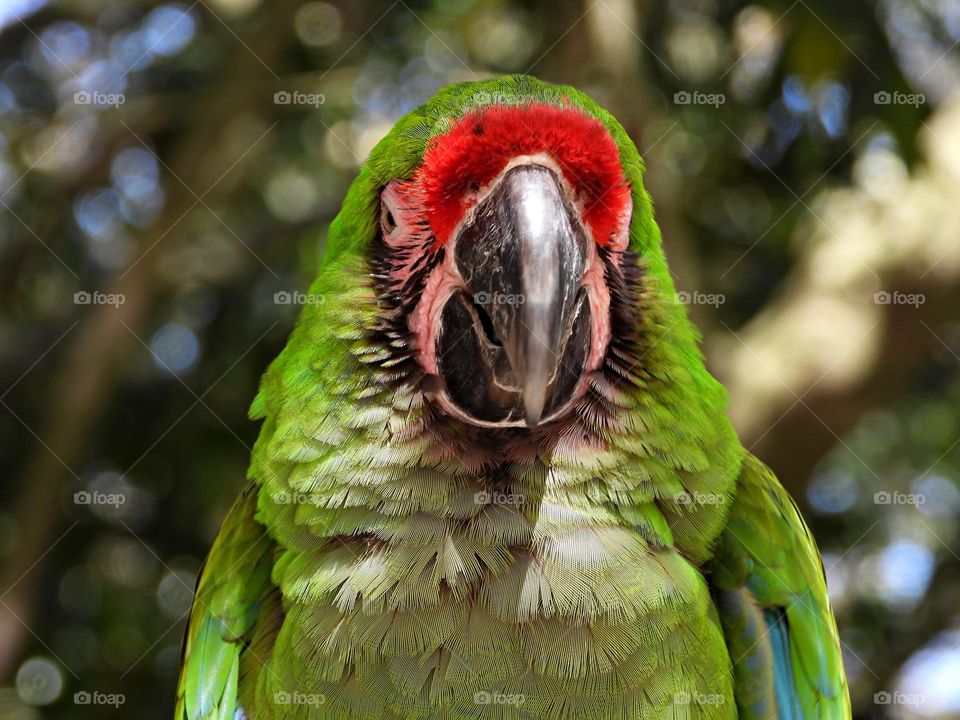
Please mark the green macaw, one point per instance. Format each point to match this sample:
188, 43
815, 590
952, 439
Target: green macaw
494, 478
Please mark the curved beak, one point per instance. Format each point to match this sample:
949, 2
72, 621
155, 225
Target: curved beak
522, 254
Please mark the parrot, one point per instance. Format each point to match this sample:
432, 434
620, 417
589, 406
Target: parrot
494, 477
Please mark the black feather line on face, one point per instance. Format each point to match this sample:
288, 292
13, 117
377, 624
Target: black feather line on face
628, 339
392, 329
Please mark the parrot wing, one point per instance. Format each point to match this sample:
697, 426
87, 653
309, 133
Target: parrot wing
236, 611
771, 594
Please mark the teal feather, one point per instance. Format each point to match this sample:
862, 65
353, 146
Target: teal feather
788, 701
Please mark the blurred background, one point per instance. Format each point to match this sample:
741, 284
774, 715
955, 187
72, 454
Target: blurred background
168, 172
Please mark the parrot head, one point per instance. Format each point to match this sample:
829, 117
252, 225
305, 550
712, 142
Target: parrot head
497, 250
494, 287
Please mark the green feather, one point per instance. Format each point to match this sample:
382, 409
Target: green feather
234, 584
768, 553
208, 673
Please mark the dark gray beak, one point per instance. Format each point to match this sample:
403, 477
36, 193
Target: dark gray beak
522, 256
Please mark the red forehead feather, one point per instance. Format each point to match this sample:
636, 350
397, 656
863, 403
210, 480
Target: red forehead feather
481, 143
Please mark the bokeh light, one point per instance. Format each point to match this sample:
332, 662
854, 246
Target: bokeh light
39, 681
